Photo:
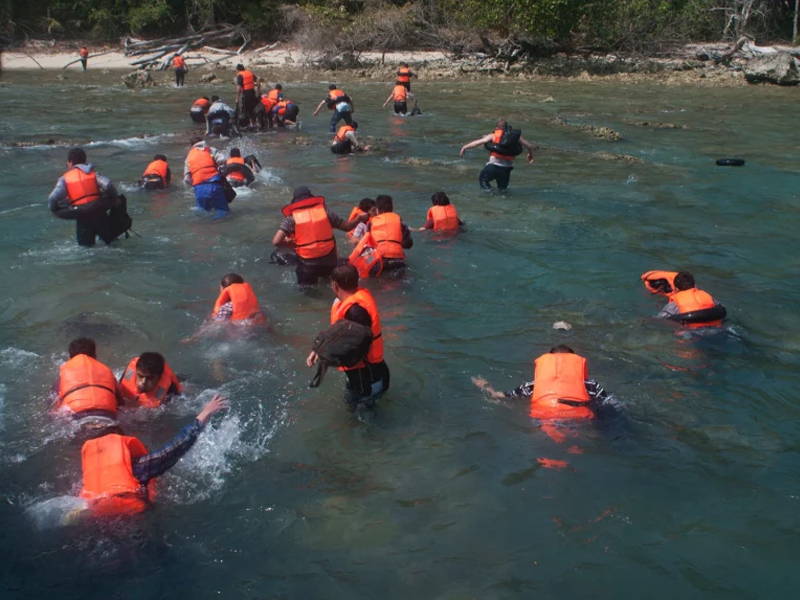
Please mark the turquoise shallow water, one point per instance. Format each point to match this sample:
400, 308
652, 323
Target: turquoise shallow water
691, 492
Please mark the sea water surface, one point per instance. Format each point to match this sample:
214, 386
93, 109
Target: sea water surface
690, 491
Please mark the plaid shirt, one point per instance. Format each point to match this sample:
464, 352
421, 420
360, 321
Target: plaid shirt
156, 463
225, 312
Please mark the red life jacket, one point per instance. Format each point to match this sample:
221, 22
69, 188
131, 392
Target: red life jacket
149, 399
87, 384
313, 234
560, 377
202, 103
245, 303
178, 62
400, 93
268, 102
236, 160
498, 133
248, 80
82, 188
202, 165
365, 263
445, 218
364, 299
157, 167
387, 230
84, 53
108, 481
334, 96
274, 95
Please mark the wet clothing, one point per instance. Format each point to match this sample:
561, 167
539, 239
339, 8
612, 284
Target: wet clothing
345, 140
596, 392
93, 223
401, 108
218, 118
156, 463
209, 193
364, 383
309, 270
224, 312
494, 172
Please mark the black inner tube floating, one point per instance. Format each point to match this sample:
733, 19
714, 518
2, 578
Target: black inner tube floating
730, 162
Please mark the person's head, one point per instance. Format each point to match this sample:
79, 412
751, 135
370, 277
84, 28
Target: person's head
301, 193
160, 157
344, 279
384, 203
235, 153
149, 369
76, 156
240, 67
367, 205
195, 140
278, 86
354, 125
92, 430
215, 98
82, 345
230, 279
332, 87
561, 349
501, 124
440, 199
684, 281
404, 64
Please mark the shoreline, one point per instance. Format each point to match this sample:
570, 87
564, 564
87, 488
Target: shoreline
294, 65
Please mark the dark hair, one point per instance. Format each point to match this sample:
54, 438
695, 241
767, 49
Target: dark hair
160, 157
561, 349
346, 277
278, 86
366, 203
440, 199
332, 86
231, 278
214, 98
92, 433
384, 203
354, 125
684, 281
195, 140
240, 67
404, 64
235, 152
151, 364
82, 345
77, 156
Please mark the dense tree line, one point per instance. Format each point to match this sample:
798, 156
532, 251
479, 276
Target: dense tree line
627, 25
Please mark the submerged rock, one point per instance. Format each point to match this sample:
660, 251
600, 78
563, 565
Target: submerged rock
208, 78
138, 79
603, 133
660, 125
779, 68
621, 157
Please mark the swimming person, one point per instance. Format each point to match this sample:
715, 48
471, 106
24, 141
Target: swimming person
442, 216
118, 470
236, 301
370, 377
340, 103
503, 144
149, 381
199, 108
237, 171
86, 197
691, 306
157, 175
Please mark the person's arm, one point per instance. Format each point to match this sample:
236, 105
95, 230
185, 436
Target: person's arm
106, 187
56, 198
224, 313
389, 98
156, 463
239, 88
339, 223
407, 242
358, 314
319, 106
410, 95
351, 135
596, 392
476, 143
169, 176
187, 173
526, 144
428, 225
285, 231
670, 310
523, 391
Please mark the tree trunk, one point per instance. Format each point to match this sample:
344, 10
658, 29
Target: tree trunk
794, 25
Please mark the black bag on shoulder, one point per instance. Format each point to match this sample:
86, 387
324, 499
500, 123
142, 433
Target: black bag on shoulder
343, 344
509, 144
120, 222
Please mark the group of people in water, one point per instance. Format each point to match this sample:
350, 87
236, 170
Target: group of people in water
118, 469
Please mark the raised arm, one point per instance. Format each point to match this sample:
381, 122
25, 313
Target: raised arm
319, 106
479, 142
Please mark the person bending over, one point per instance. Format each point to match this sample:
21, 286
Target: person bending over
157, 175
340, 103
391, 235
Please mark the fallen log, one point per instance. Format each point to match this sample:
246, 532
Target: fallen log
266, 48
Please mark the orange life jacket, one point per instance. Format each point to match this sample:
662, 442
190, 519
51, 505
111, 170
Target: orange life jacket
149, 399
341, 135
334, 95
87, 384
82, 188
178, 62
356, 212
245, 303
108, 481
692, 300
364, 299
202, 165
660, 282
387, 230
364, 263
236, 160
560, 377
202, 103
445, 218
498, 134
400, 93
268, 102
403, 75
157, 167
275, 96
84, 53
248, 80
312, 230
282, 105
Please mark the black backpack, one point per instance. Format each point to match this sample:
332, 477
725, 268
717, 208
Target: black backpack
343, 344
509, 143
119, 220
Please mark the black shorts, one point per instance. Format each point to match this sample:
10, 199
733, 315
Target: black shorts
344, 147
366, 383
405, 84
309, 271
153, 182
198, 116
250, 101
400, 108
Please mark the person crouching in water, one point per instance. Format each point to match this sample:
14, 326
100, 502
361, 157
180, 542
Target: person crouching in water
391, 235
236, 303
118, 470
218, 118
157, 175
442, 216
345, 140
370, 377
201, 172
237, 171
86, 388
85, 196
199, 109
149, 381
